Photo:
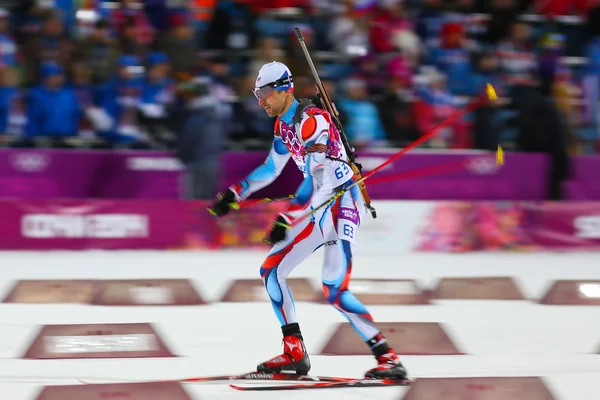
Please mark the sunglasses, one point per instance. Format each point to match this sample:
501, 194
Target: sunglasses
264, 92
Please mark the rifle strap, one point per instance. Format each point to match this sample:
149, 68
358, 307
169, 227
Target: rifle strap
303, 104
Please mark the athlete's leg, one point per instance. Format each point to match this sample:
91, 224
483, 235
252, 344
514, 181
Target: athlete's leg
300, 242
337, 265
340, 225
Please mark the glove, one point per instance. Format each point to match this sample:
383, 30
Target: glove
223, 203
278, 230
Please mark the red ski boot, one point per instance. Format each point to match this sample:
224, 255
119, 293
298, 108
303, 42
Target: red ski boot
293, 360
388, 367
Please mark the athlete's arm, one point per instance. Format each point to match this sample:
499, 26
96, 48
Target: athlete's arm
266, 173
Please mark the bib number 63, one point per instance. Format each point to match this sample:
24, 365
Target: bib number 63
342, 171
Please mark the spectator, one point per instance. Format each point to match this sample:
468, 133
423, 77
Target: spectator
222, 89
518, 61
430, 21
435, 103
158, 88
503, 14
100, 51
81, 84
52, 45
221, 86
158, 99
199, 151
130, 23
52, 110
159, 13
131, 38
66, 10
485, 70
487, 119
453, 57
120, 98
368, 69
550, 51
396, 105
591, 86
260, 6
541, 130
462, 12
565, 94
8, 48
13, 114
232, 26
554, 8
348, 33
179, 44
363, 127
389, 21
269, 49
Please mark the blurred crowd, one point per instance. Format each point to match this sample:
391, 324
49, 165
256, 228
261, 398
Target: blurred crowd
168, 74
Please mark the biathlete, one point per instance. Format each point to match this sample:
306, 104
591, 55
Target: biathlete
305, 133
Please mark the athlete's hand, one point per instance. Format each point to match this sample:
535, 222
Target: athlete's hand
223, 203
278, 230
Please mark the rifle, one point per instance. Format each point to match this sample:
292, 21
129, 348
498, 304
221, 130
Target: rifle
332, 110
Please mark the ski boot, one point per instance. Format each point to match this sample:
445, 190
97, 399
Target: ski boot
294, 359
388, 367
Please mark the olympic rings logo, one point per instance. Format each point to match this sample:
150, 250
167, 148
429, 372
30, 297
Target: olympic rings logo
30, 162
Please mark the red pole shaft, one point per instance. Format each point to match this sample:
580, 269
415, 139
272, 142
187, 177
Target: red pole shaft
445, 168
472, 105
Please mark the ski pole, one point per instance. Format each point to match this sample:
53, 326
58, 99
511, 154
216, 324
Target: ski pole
254, 202
438, 169
488, 95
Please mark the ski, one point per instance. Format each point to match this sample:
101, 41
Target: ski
258, 376
328, 385
249, 376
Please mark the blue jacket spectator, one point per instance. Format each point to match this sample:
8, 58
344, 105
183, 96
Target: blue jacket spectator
8, 48
429, 22
120, 98
364, 126
7, 100
158, 88
52, 109
485, 70
453, 58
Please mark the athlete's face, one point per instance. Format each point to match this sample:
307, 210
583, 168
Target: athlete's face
274, 102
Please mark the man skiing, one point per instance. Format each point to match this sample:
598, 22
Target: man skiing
307, 134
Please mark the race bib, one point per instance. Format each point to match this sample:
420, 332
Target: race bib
348, 220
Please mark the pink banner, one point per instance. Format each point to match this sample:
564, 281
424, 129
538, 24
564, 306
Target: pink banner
565, 226
173, 224
498, 226
104, 224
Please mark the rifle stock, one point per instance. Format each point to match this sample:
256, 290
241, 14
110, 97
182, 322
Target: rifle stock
332, 110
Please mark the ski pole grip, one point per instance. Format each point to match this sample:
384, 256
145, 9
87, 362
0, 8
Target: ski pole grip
298, 34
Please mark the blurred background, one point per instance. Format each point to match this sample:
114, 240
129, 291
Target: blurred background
121, 120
